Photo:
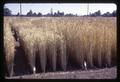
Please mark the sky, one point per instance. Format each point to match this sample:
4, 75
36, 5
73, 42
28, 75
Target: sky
75, 8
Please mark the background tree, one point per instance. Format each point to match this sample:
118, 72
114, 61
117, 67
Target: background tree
114, 13
55, 14
76, 15
18, 14
98, 13
30, 13
39, 14
107, 14
7, 12
34, 14
69, 15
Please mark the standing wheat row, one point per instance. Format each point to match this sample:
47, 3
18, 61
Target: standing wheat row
9, 48
38, 42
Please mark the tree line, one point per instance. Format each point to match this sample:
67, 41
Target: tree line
8, 12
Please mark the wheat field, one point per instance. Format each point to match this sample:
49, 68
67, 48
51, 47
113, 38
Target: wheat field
59, 40
9, 48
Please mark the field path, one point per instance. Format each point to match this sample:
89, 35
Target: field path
107, 73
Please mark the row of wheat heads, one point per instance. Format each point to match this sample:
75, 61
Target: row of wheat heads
93, 41
9, 48
58, 40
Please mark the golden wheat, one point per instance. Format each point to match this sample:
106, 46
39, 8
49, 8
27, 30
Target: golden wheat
9, 47
63, 39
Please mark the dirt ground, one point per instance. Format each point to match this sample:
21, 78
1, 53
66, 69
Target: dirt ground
106, 73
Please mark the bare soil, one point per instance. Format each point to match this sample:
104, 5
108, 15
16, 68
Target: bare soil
106, 73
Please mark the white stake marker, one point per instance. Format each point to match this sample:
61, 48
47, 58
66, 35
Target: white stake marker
85, 65
34, 69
